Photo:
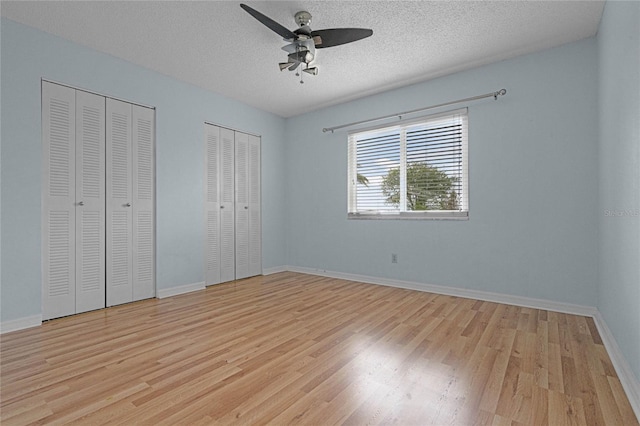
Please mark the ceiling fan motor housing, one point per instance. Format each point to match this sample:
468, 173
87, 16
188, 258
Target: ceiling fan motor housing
303, 18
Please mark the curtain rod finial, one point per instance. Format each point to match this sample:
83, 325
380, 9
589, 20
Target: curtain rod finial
500, 92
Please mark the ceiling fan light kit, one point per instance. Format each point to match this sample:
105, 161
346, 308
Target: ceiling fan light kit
303, 42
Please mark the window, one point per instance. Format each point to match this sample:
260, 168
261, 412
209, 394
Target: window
414, 170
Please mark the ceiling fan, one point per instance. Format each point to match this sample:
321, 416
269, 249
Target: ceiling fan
303, 42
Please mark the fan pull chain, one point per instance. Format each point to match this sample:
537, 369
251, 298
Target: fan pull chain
298, 74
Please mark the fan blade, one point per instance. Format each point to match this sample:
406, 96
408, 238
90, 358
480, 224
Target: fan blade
337, 36
270, 23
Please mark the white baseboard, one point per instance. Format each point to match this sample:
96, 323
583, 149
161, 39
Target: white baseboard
527, 302
275, 270
36, 320
181, 289
20, 324
630, 383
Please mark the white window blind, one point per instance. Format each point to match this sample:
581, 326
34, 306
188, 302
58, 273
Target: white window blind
414, 170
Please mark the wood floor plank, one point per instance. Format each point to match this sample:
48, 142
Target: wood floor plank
628, 417
292, 348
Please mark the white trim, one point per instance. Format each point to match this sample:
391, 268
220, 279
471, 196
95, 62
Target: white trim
424, 215
630, 383
275, 270
527, 302
211, 123
181, 289
20, 323
93, 92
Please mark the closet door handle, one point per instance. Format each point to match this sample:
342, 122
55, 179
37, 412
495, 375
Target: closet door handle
128, 205
81, 203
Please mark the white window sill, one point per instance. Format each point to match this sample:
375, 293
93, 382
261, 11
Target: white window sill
409, 216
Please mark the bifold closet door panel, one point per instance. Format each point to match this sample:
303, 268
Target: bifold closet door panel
119, 200
58, 201
143, 202
212, 204
242, 204
255, 211
90, 199
227, 204
248, 221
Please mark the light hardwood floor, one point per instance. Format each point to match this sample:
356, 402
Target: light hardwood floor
294, 348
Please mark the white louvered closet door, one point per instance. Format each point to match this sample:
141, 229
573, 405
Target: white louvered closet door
227, 198
255, 222
58, 201
248, 217
90, 202
242, 204
212, 204
119, 201
143, 202
98, 223
233, 244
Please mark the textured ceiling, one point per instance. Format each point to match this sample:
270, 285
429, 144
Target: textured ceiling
218, 46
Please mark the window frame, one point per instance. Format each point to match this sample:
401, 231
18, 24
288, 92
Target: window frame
402, 213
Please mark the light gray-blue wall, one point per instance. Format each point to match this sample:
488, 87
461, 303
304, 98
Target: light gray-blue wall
619, 175
181, 109
538, 225
532, 228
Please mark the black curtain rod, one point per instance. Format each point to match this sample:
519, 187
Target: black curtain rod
495, 95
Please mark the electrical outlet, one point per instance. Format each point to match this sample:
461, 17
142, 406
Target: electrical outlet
394, 258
